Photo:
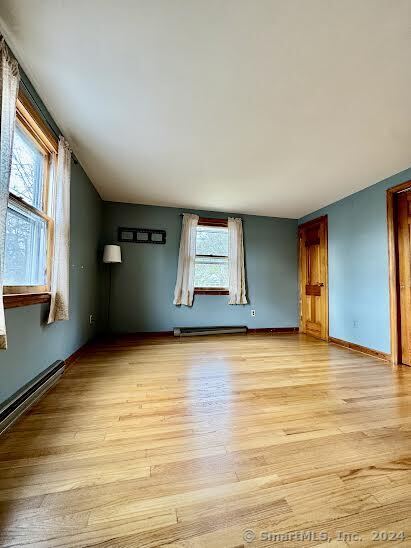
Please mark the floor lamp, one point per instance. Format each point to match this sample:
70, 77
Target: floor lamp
111, 255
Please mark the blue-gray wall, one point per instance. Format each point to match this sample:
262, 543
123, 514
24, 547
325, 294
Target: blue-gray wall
358, 265
143, 285
33, 346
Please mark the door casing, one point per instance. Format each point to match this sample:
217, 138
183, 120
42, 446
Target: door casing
393, 269
323, 219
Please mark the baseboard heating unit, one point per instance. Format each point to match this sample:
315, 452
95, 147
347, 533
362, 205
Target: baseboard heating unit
24, 398
217, 330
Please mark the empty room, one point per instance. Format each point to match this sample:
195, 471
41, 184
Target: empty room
205, 273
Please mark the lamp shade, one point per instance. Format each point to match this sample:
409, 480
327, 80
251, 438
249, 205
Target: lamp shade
112, 254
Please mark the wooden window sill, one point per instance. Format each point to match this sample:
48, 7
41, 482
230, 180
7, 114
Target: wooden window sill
210, 291
15, 300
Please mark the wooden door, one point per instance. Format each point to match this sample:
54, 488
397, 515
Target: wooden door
404, 274
313, 272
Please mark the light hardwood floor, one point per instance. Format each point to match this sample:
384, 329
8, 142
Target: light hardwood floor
190, 442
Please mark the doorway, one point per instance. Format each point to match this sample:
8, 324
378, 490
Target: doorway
399, 245
313, 277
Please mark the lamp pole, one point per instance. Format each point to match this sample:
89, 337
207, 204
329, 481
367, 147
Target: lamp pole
111, 255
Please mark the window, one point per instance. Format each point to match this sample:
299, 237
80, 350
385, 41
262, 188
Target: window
29, 223
211, 262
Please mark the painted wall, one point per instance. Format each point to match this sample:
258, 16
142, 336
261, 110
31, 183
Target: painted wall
33, 346
358, 265
143, 285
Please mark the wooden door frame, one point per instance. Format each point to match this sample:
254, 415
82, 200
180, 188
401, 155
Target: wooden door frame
393, 268
324, 219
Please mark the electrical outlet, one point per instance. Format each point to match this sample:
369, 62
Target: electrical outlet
91, 319
253, 313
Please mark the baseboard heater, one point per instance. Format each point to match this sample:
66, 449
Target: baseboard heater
24, 398
215, 330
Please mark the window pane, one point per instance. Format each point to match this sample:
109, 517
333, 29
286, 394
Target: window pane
25, 258
26, 178
211, 272
212, 241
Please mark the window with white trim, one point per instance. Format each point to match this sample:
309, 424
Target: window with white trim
29, 224
211, 262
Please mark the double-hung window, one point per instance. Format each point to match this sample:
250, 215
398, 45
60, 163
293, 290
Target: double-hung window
29, 224
211, 261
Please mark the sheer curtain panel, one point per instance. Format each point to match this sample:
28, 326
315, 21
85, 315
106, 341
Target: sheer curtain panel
236, 262
59, 305
9, 85
184, 290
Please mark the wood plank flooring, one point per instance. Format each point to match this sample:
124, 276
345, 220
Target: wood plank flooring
192, 442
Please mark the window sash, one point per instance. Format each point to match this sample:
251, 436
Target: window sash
34, 196
15, 289
213, 288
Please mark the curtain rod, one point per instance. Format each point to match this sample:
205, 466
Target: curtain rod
33, 99
201, 216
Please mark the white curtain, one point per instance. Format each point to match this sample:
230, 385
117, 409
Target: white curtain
236, 262
184, 291
59, 306
9, 84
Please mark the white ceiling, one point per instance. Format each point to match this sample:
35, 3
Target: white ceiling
272, 107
